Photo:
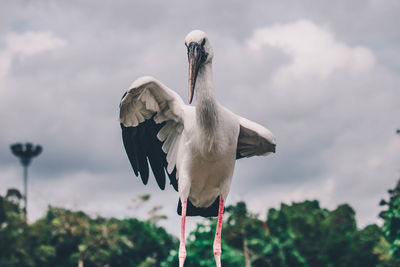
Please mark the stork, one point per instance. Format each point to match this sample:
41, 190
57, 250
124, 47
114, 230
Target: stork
196, 147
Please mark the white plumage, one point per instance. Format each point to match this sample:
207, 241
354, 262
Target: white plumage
199, 144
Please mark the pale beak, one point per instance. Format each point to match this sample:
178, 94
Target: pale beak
196, 57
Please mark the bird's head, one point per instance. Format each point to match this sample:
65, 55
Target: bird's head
199, 52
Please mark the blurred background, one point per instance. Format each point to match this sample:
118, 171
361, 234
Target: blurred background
322, 76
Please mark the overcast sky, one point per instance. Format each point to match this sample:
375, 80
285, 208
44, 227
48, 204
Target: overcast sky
323, 76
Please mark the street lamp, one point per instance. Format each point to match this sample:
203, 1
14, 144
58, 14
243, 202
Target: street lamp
25, 152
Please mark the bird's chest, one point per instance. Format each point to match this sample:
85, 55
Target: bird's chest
211, 146
209, 178
212, 157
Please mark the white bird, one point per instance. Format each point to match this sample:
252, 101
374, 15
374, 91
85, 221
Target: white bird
196, 146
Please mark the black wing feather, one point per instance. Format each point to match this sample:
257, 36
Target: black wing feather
127, 133
172, 178
142, 146
155, 154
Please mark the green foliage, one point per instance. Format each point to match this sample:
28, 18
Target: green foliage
260, 246
301, 234
323, 237
62, 231
391, 226
13, 229
64, 238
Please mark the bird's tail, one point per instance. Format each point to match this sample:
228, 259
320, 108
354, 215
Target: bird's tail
211, 211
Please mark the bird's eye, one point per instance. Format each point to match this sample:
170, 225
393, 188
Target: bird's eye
203, 42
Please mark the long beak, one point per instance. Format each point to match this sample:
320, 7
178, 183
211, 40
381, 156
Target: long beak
195, 55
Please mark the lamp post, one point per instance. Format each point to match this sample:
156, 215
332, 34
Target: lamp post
25, 152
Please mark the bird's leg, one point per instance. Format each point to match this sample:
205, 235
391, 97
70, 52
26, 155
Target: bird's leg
182, 248
217, 240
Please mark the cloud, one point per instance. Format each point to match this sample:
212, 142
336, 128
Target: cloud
26, 44
322, 190
313, 51
30, 43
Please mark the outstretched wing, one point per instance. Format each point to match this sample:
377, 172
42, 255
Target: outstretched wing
151, 117
254, 140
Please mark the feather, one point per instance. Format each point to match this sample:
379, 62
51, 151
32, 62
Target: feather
155, 155
150, 116
142, 154
254, 140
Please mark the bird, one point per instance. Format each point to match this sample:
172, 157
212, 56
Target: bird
195, 146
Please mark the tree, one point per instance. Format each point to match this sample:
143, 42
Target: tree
59, 233
78, 240
14, 248
300, 234
263, 243
391, 226
323, 237
240, 227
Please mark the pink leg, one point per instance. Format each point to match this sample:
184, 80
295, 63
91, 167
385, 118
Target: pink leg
217, 240
182, 248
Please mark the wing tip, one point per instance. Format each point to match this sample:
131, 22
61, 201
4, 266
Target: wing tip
273, 147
